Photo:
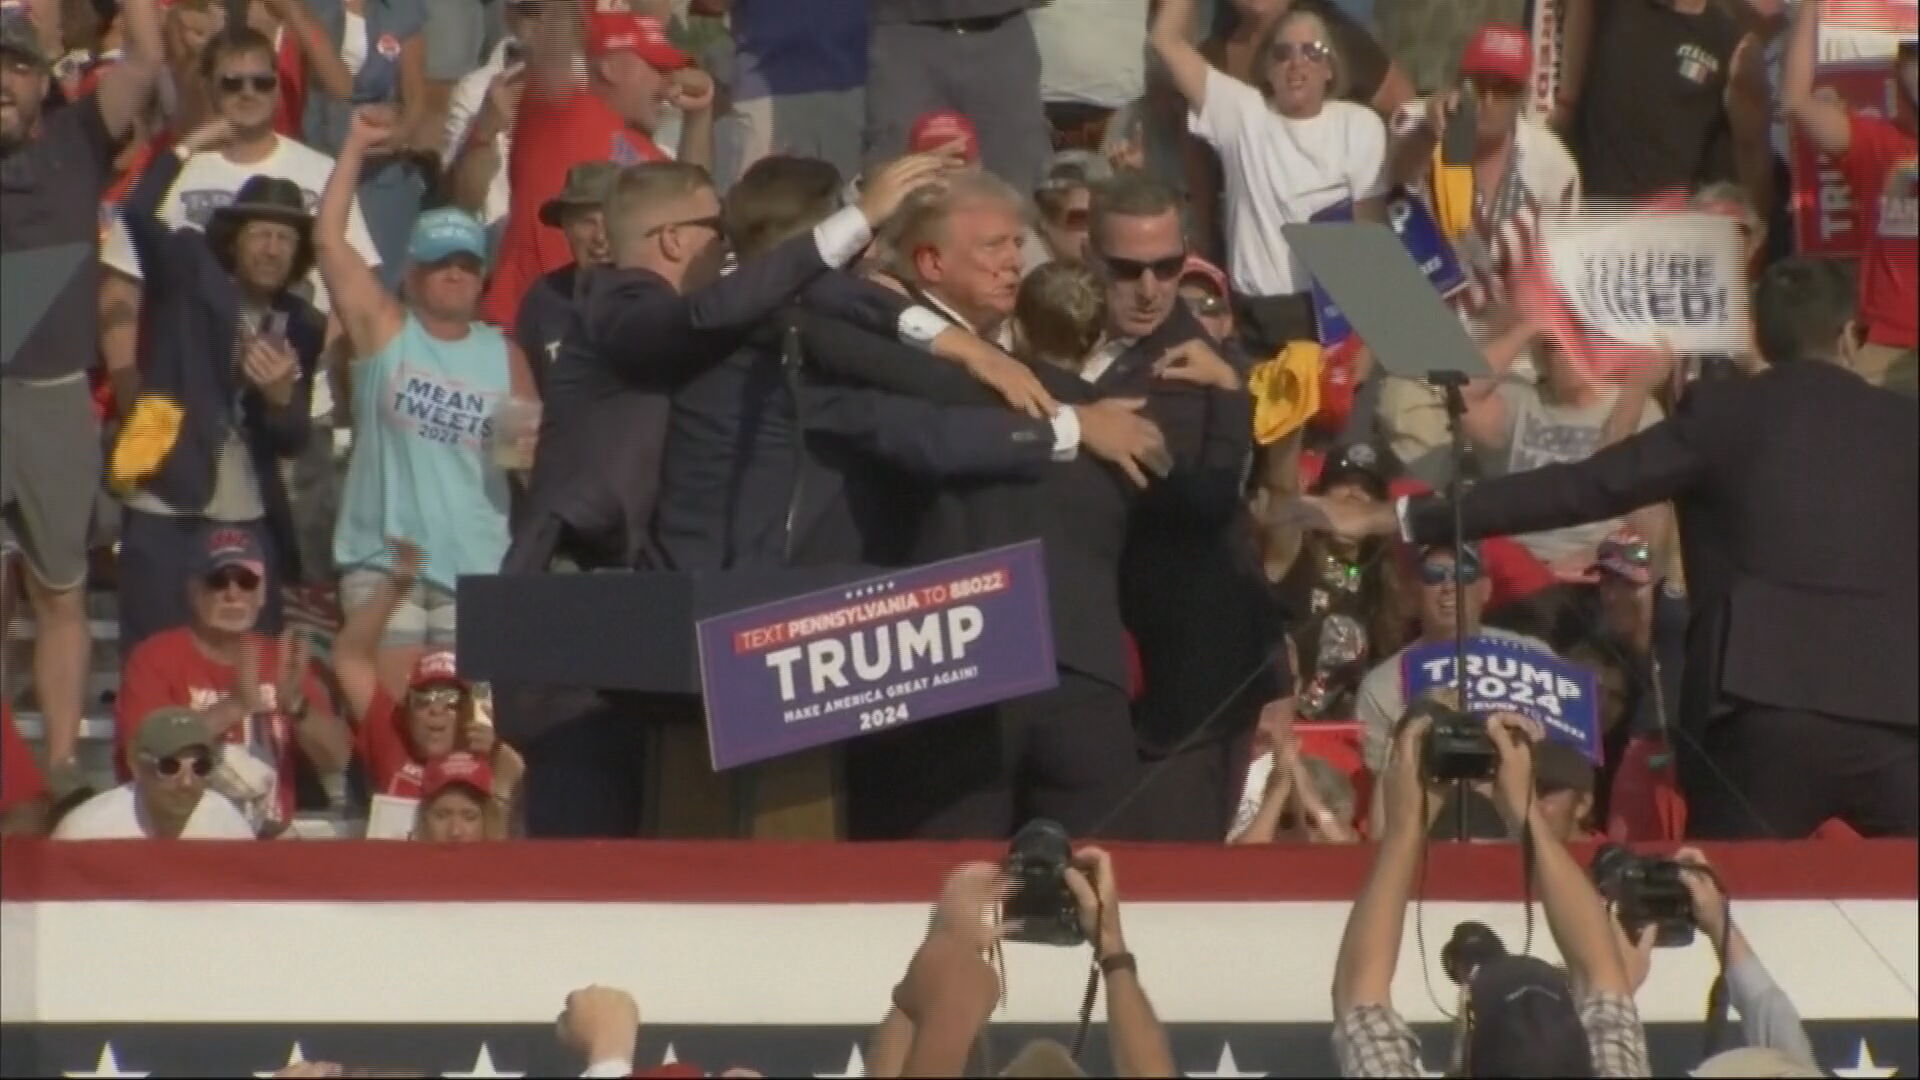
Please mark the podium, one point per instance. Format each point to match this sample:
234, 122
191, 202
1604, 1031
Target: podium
629, 635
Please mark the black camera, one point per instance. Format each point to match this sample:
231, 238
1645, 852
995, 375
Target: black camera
1457, 746
1473, 946
1041, 905
1646, 891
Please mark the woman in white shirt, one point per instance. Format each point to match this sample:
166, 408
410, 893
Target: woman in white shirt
1290, 151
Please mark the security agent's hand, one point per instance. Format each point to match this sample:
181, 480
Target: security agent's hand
1095, 890
883, 192
1114, 431
1013, 381
600, 1024
1513, 737
1197, 363
1341, 517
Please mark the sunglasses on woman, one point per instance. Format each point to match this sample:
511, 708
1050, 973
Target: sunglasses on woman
1206, 305
262, 83
231, 577
1441, 573
445, 697
1313, 52
201, 764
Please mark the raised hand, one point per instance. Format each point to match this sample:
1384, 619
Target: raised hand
691, 91
290, 691
898, 179
405, 560
374, 128
211, 135
1097, 892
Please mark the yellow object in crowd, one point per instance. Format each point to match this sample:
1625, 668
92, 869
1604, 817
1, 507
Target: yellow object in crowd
152, 427
1286, 392
1452, 187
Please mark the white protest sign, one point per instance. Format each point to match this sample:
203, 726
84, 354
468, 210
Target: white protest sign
1652, 277
391, 818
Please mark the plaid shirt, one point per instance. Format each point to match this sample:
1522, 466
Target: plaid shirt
1372, 1040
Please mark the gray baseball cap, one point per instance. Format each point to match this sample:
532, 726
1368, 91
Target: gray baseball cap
20, 38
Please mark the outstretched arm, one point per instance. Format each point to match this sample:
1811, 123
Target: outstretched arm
369, 314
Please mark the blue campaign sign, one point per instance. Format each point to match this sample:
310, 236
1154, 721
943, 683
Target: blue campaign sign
839, 663
1506, 676
1430, 251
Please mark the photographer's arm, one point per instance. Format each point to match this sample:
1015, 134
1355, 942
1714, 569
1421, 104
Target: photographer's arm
888, 1045
1370, 948
1135, 1036
1767, 1014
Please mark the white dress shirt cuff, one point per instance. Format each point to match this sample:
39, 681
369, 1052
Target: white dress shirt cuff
1400, 516
1066, 434
606, 1070
920, 325
842, 236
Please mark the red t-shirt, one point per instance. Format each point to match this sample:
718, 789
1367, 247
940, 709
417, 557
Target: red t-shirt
550, 136
20, 778
169, 669
1880, 166
292, 69
392, 766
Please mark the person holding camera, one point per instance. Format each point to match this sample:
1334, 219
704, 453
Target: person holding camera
950, 987
1526, 1018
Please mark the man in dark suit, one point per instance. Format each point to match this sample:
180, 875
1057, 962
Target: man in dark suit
1068, 754
1795, 491
661, 314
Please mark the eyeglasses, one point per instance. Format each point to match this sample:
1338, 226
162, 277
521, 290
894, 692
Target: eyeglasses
201, 764
1206, 304
715, 223
260, 83
1130, 269
1313, 52
228, 577
445, 697
1441, 573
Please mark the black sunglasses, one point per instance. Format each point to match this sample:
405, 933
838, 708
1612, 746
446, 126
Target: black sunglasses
718, 226
201, 764
1208, 305
262, 83
1310, 51
228, 576
1130, 269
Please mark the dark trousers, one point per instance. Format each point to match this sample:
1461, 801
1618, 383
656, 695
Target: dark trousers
990, 75
1067, 754
1187, 797
1780, 773
586, 766
159, 556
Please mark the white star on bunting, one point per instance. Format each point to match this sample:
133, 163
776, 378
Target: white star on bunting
1227, 1069
107, 1066
1864, 1067
296, 1056
483, 1068
856, 1067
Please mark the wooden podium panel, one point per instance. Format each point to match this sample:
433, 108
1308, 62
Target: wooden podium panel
797, 797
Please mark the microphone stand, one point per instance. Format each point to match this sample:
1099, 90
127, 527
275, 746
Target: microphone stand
1451, 385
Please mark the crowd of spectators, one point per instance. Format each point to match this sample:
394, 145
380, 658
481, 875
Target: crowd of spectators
380, 294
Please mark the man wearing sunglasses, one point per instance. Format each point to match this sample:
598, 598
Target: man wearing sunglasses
239, 72
172, 758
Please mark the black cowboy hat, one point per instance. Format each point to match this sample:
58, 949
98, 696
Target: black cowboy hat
264, 198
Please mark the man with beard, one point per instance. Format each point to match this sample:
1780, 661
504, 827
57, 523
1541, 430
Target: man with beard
54, 167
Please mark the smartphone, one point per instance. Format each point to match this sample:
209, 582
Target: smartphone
273, 328
483, 703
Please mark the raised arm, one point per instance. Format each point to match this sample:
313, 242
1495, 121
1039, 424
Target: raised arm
151, 236
1370, 947
557, 51
128, 86
1135, 1036
369, 314
1823, 118
317, 50
357, 646
1169, 38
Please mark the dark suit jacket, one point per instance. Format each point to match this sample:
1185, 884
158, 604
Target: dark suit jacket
751, 480
188, 326
632, 341
1795, 492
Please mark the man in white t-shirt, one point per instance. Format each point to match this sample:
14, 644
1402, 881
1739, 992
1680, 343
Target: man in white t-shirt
243, 83
172, 756
477, 145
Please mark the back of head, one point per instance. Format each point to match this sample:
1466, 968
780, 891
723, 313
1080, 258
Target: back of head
642, 194
1801, 307
1525, 1023
1061, 312
780, 197
1043, 1058
1754, 1061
